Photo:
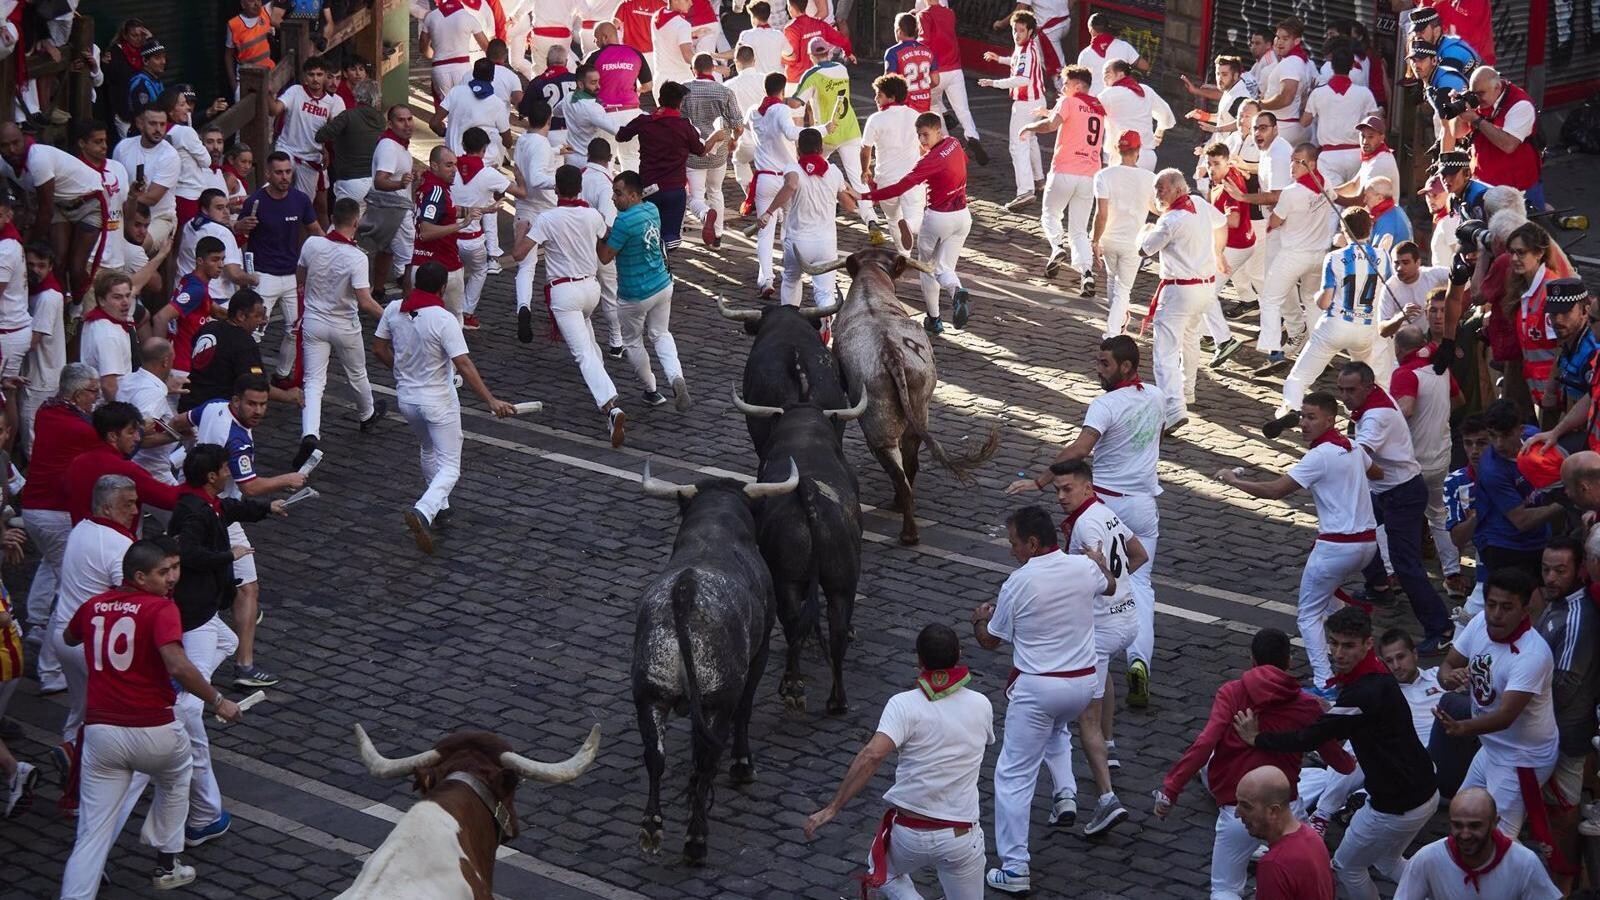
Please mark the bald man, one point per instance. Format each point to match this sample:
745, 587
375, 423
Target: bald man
1296, 866
1580, 473
1476, 861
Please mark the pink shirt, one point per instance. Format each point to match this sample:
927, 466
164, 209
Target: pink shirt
620, 68
1080, 136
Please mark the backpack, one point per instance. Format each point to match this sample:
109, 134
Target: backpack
1581, 130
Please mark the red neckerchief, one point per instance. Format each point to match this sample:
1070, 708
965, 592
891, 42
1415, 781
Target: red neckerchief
131, 54
1331, 436
389, 133
118, 527
1369, 157
553, 71
1369, 665
708, 76
667, 112
27, 145
450, 7
1311, 181
469, 166
1299, 50
813, 164
938, 684
99, 313
48, 283
1130, 83
1502, 845
417, 300
10, 233
763, 25
228, 169
339, 238
1183, 203
766, 104
665, 15
1100, 43
1072, 517
1340, 84
1381, 207
570, 201
430, 181
1511, 640
97, 166
1131, 381
474, 5
1378, 399
211, 499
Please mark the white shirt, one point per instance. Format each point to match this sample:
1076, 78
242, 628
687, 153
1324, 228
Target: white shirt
1307, 220
1432, 875
194, 161
1098, 528
91, 564
1387, 439
303, 116
1520, 119
768, 44
132, 255
424, 344
1336, 114
1430, 419
1127, 194
14, 315
334, 271
453, 35
1129, 422
775, 133
668, 63
536, 160
940, 746
467, 111
1127, 111
506, 81
43, 364
116, 183
815, 203
1240, 90
1337, 480
1423, 695
586, 120
1274, 171
1096, 64
1381, 165
392, 157
144, 390
215, 426
1046, 612
72, 176
189, 236
569, 235
597, 192
479, 193
892, 135
1358, 73
1289, 68
1494, 669
104, 345
1263, 66
1399, 295
160, 165
1186, 241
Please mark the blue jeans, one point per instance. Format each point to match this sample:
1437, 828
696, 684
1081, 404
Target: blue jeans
1452, 755
671, 202
1402, 511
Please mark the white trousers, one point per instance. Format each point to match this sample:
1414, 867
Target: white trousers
319, 341
475, 270
1329, 565
1122, 267
1230, 855
1329, 337
48, 530
449, 75
111, 754
1139, 513
909, 208
939, 242
957, 859
526, 267
744, 158
1247, 269
1177, 343
608, 304
705, 194
1444, 547
32, 399
354, 189
571, 305
625, 154
800, 250
1074, 196
1026, 161
952, 87
1499, 778
1378, 840
767, 187
75, 670
1323, 792
1288, 293
1040, 709
1339, 166
648, 319
281, 291
1111, 638
437, 426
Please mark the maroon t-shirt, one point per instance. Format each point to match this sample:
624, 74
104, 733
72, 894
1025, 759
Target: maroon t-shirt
1296, 867
666, 141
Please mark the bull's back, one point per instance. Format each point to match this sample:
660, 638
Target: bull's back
422, 859
726, 618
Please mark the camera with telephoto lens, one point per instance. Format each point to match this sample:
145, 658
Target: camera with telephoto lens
1450, 104
1472, 235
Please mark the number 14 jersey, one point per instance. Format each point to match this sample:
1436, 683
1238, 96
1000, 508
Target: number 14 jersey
1080, 138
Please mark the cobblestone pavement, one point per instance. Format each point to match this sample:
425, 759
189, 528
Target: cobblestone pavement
523, 621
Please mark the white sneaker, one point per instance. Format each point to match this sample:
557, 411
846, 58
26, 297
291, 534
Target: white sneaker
1007, 881
1296, 344
1591, 811
21, 786
1063, 811
1589, 828
166, 879
494, 267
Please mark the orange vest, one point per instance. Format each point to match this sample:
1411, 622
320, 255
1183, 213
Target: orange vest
250, 46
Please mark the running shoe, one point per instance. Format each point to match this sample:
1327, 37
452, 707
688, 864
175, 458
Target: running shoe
1225, 351
380, 406
1020, 200
469, 322
194, 837
876, 235
963, 310
1438, 645
617, 421
418, 523
1007, 881
654, 398
1138, 684
976, 151
615, 352
1053, 264
175, 877
933, 325
1086, 288
20, 791
1276, 362
680, 394
308, 445
1063, 811
525, 325
253, 676
1108, 814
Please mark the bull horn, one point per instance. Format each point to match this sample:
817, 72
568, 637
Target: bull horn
383, 767
854, 412
917, 264
823, 270
750, 409
737, 315
555, 773
665, 490
758, 489
813, 314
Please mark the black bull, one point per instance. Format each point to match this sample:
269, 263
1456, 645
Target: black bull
788, 364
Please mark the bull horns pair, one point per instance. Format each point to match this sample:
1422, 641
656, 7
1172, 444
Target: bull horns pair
666, 490
550, 773
911, 262
762, 412
754, 315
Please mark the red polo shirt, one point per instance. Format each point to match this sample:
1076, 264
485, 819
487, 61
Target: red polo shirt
103, 459
61, 431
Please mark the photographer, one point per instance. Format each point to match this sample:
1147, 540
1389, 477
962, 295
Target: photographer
1444, 85
1501, 123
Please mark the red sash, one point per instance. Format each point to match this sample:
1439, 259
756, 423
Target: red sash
877, 874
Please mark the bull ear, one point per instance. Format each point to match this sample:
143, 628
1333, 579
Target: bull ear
899, 267
851, 265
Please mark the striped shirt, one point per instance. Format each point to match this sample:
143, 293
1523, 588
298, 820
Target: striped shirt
707, 101
1026, 80
1354, 274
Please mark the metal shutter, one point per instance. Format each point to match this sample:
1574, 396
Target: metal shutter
1573, 55
1233, 19
1511, 38
1144, 32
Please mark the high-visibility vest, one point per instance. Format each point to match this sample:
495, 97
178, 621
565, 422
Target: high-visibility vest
250, 43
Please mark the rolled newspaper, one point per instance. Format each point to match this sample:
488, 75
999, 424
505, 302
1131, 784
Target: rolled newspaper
248, 702
528, 406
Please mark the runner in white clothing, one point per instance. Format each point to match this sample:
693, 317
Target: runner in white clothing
1285, 85
940, 730
811, 195
1046, 612
1104, 46
1187, 235
1125, 196
1477, 861
305, 108
597, 183
535, 167
1025, 81
889, 150
1338, 108
478, 185
1131, 106
474, 104
1079, 125
772, 122
1300, 233
452, 36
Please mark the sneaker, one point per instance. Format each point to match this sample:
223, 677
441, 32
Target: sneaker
469, 322
441, 519
1086, 288
1063, 811
35, 635
708, 231
175, 877
615, 352
1111, 756
1275, 427
1020, 200
1108, 814
61, 761
768, 292
1438, 645
933, 325
252, 676
1276, 362
976, 151
1589, 828
1326, 694
1053, 264
1225, 351
1591, 811
1374, 596
680, 394
525, 325
617, 421
418, 523
380, 406
494, 267
1138, 684
876, 235
1296, 344
194, 837
963, 310
21, 788
1007, 881
54, 686
653, 398
308, 445
1240, 309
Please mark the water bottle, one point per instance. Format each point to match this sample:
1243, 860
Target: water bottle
249, 262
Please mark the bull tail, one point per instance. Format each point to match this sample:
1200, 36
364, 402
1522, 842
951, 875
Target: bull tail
682, 607
811, 612
917, 423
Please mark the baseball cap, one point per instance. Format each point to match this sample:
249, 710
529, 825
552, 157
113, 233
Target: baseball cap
820, 45
152, 47
1424, 48
1129, 141
1564, 293
1374, 122
1423, 16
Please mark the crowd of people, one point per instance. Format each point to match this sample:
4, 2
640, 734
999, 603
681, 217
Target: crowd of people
140, 267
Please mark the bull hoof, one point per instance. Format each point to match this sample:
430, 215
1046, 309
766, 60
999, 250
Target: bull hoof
743, 771
910, 538
694, 851
794, 704
838, 707
650, 836
792, 690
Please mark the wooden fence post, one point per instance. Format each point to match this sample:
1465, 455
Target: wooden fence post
257, 132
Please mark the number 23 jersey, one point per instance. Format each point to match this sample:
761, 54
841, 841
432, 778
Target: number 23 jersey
1081, 137
1095, 526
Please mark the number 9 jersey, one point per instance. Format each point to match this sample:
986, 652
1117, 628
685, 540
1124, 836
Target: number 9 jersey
1094, 525
1080, 137
914, 62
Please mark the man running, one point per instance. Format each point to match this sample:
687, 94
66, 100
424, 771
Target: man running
644, 289
305, 108
937, 23
825, 87
1079, 125
812, 192
1186, 236
889, 150
1025, 82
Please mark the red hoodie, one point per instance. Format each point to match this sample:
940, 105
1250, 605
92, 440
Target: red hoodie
1280, 705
